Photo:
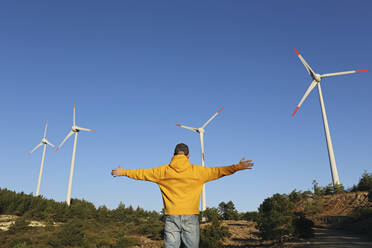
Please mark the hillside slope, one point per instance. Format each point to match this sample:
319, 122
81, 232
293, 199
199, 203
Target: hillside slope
343, 204
349, 211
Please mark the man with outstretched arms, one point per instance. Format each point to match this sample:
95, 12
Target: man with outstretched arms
181, 184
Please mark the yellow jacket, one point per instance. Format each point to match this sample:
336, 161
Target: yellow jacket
181, 182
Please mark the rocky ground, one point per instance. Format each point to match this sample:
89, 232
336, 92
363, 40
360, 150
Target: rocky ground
7, 220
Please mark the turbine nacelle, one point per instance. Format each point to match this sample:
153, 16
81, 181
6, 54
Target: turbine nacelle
317, 77
78, 129
75, 129
200, 130
196, 130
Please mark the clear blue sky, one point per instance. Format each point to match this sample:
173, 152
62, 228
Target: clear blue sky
136, 68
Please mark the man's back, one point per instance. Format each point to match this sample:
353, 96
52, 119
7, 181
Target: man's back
181, 182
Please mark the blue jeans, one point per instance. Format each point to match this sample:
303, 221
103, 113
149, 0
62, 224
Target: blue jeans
185, 227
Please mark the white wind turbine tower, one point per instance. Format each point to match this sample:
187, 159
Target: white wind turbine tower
201, 131
44, 142
316, 82
75, 129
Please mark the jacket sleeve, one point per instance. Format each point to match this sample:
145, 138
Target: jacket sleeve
152, 175
213, 173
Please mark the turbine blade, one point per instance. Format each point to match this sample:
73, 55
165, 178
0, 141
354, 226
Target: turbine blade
86, 129
190, 128
45, 129
51, 144
341, 73
68, 136
307, 66
34, 149
73, 118
312, 85
212, 118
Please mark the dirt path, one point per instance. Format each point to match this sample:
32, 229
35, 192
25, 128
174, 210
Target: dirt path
245, 235
333, 238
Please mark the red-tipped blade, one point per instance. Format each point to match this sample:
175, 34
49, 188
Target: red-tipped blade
220, 110
296, 51
178, 125
361, 70
295, 111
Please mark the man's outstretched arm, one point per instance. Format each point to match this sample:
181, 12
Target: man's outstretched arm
152, 175
213, 173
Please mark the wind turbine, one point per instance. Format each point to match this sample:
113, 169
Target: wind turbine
201, 131
317, 78
75, 129
44, 142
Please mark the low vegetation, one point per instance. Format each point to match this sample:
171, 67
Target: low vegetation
213, 235
276, 217
279, 217
80, 225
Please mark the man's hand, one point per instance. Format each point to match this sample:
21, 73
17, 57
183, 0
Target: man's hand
246, 164
117, 172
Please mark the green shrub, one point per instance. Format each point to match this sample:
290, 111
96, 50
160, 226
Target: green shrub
228, 211
327, 190
338, 188
211, 214
125, 242
81, 208
249, 216
314, 207
153, 227
20, 243
20, 225
275, 217
307, 194
295, 196
317, 189
212, 236
71, 234
365, 182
